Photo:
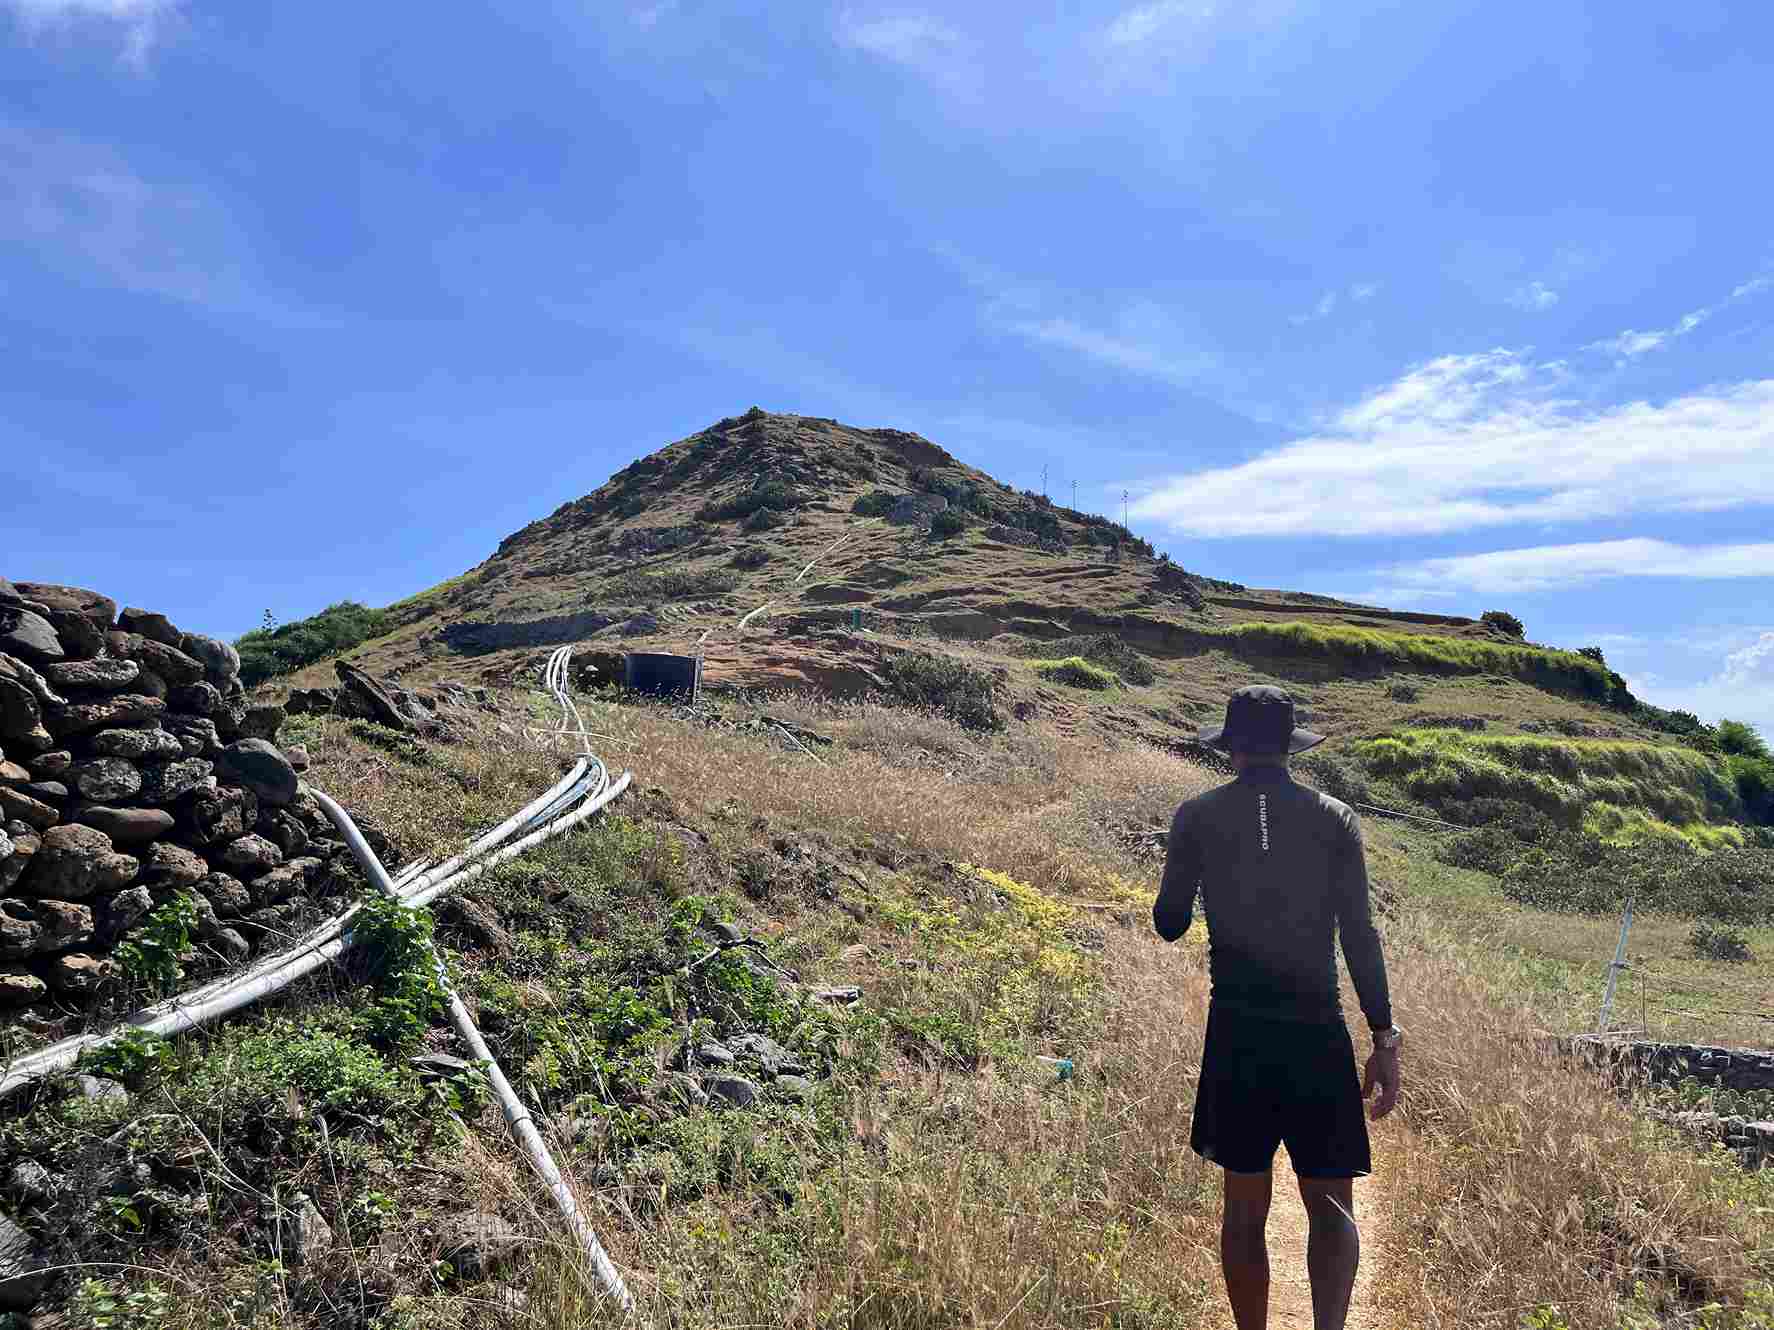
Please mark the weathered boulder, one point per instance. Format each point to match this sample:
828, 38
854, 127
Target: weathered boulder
222, 813
766, 1052
261, 768
795, 1087
125, 826
99, 611
478, 1244
53, 765
122, 710
26, 841
101, 673
398, 709
150, 684
299, 1235
155, 627
298, 756
284, 830
251, 855
149, 741
105, 779
19, 987
24, 1274
162, 782
15, 803
319, 701
171, 664
11, 773
30, 1181
731, 1091
51, 792
262, 720
198, 699
22, 699
29, 636
278, 885
77, 974
119, 912
197, 735
228, 895
233, 947
65, 924
20, 930
916, 509
221, 662
100, 1090
75, 862
168, 867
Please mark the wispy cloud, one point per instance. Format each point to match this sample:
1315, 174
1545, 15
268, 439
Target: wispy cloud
1483, 440
1359, 293
922, 43
1136, 26
1143, 340
138, 25
1545, 567
1535, 296
1630, 343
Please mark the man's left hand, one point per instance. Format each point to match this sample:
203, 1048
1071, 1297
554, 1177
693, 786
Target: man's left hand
1382, 1071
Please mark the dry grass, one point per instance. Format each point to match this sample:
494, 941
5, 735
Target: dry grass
1534, 1186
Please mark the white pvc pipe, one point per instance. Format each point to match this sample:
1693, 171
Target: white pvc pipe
517, 1113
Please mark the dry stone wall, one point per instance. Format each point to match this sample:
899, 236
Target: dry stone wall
133, 767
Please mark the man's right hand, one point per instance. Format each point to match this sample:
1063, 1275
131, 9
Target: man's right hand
1381, 1072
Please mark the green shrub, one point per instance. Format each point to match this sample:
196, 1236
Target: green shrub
876, 503
266, 652
153, 952
763, 519
1594, 653
395, 947
772, 496
1404, 692
1504, 622
947, 523
1740, 739
945, 684
670, 585
750, 556
1754, 781
1336, 776
1719, 944
1110, 652
1075, 671
1374, 649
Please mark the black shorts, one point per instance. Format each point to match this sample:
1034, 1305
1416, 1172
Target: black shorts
1264, 1082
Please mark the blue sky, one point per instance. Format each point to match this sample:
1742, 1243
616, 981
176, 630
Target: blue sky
1452, 305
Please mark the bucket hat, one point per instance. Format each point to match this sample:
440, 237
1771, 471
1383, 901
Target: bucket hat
1260, 719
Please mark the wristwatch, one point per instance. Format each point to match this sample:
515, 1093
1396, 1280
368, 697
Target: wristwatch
1389, 1038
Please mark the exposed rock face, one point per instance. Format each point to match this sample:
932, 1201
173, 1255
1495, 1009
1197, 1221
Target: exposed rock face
917, 509
478, 1244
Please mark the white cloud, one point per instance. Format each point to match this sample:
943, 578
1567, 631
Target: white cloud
1142, 344
920, 42
1362, 292
1535, 296
1326, 304
1544, 567
1134, 27
1742, 689
1632, 343
1476, 441
139, 24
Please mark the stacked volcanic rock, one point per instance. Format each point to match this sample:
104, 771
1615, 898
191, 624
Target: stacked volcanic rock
132, 767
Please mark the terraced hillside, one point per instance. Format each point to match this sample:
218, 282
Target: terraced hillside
771, 545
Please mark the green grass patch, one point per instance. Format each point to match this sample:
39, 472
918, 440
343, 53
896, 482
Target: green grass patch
1076, 672
1562, 778
1374, 648
670, 585
266, 652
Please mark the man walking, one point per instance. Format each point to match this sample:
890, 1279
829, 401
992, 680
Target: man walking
1279, 867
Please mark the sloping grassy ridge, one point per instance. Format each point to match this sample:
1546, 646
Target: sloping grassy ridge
1567, 779
1373, 648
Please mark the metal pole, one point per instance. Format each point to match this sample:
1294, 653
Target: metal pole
1601, 1026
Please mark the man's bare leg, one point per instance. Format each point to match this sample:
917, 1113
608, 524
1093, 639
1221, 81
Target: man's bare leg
1244, 1249
1333, 1248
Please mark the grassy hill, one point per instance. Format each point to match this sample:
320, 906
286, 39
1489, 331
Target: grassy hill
974, 845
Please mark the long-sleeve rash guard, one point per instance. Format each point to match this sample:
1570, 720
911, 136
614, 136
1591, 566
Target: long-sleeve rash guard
1279, 868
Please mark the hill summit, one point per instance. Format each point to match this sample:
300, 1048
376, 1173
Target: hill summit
797, 552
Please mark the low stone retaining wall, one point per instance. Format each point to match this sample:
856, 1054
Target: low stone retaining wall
1664, 1064
133, 768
